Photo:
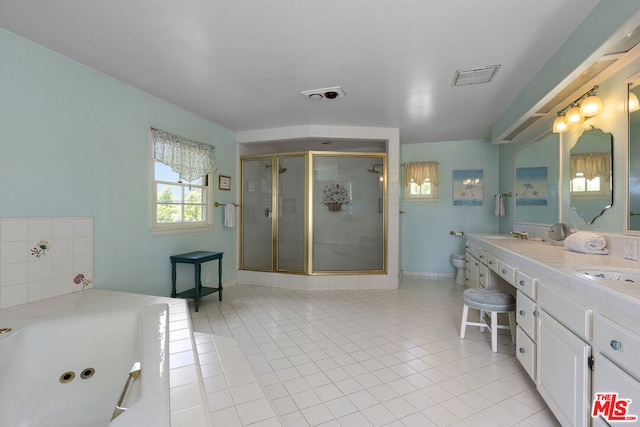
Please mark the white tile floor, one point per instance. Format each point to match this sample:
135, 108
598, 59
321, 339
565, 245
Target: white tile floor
359, 358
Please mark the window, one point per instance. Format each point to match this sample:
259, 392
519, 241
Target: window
181, 190
591, 175
421, 181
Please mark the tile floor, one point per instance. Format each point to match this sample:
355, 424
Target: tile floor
360, 358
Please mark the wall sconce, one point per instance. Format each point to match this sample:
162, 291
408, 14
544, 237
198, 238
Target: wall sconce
588, 105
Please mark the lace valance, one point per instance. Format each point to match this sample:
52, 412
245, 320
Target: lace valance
591, 164
418, 172
190, 159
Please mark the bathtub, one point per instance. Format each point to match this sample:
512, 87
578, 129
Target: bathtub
71, 370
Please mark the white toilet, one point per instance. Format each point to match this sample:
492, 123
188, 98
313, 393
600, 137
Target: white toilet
459, 261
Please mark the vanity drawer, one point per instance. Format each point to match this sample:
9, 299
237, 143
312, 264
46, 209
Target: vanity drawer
527, 284
492, 262
527, 315
506, 271
472, 249
526, 353
618, 343
573, 315
483, 275
482, 256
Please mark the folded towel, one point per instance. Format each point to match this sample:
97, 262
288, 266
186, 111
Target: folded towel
229, 215
586, 242
499, 208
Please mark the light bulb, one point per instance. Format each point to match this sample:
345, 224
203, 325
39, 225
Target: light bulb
559, 125
573, 116
591, 106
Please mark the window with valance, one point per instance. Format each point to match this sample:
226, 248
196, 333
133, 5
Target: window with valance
188, 158
182, 195
590, 174
420, 180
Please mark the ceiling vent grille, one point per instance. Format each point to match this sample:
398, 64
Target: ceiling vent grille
517, 131
473, 76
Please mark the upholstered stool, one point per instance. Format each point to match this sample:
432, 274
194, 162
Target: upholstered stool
489, 301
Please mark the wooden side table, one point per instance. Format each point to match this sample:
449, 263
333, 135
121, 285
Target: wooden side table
196, 258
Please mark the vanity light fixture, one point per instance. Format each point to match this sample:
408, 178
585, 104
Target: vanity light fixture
592, 105
560, 124
588, 105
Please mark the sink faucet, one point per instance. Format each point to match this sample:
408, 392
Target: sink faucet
523, 235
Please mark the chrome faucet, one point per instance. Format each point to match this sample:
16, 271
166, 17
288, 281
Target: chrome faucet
523, 235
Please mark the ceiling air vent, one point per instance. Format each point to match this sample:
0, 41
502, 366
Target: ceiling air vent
473, 76
517, 131
329, 93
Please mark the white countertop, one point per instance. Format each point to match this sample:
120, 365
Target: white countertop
560, 267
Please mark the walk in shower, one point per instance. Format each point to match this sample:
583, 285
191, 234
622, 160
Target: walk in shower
314, 213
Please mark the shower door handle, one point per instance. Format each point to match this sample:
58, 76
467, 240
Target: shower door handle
267, 212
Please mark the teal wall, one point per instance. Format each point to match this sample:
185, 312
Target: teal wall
426, 245
74, 142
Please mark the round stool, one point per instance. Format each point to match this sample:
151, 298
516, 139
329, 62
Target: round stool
489, 301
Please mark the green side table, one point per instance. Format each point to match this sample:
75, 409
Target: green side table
196, 258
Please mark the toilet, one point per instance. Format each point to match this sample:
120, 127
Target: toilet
459, 261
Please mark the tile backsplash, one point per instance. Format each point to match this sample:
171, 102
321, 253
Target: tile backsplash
44, 257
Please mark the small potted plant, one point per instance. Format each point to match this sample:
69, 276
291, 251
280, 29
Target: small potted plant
334, 196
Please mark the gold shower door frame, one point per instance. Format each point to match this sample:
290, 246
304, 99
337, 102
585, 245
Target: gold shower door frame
308, 214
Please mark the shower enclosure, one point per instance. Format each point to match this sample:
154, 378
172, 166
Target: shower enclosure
314, 213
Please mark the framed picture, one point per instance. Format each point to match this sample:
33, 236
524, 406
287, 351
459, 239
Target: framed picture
468, 187
224, 182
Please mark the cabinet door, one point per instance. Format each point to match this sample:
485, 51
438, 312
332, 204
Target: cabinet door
608, 378
563, 372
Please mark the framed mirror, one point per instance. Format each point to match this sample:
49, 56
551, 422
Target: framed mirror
591, 169
537, 176
633, 175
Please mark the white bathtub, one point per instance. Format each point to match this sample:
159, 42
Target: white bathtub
34, 357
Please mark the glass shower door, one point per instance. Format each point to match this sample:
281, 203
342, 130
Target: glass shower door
291, 213
348, 213
257, 218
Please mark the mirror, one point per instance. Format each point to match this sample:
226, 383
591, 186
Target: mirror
633, 194
536, 187
591, 185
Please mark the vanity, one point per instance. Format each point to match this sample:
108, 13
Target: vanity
577, 335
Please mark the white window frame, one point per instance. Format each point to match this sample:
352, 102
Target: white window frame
408, 196
157, 229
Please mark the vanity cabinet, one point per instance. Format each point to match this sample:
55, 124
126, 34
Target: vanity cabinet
564, 356
574, 337
472, 277
564, 372
527, 320
616, 367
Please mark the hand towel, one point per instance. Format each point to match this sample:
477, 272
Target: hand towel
586, 242
229, 215
499, 208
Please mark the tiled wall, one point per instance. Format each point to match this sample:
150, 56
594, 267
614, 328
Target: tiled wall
44, 257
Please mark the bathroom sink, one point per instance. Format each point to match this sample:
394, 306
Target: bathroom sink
608, 275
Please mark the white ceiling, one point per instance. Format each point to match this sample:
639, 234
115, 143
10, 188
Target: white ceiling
243, 63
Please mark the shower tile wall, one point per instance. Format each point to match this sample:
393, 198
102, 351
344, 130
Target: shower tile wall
44, 257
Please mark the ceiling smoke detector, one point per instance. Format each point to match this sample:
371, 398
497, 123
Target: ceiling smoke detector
474, 76
326, 93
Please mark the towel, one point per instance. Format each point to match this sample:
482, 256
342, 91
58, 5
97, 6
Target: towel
229, 215
586, 242
499, 209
